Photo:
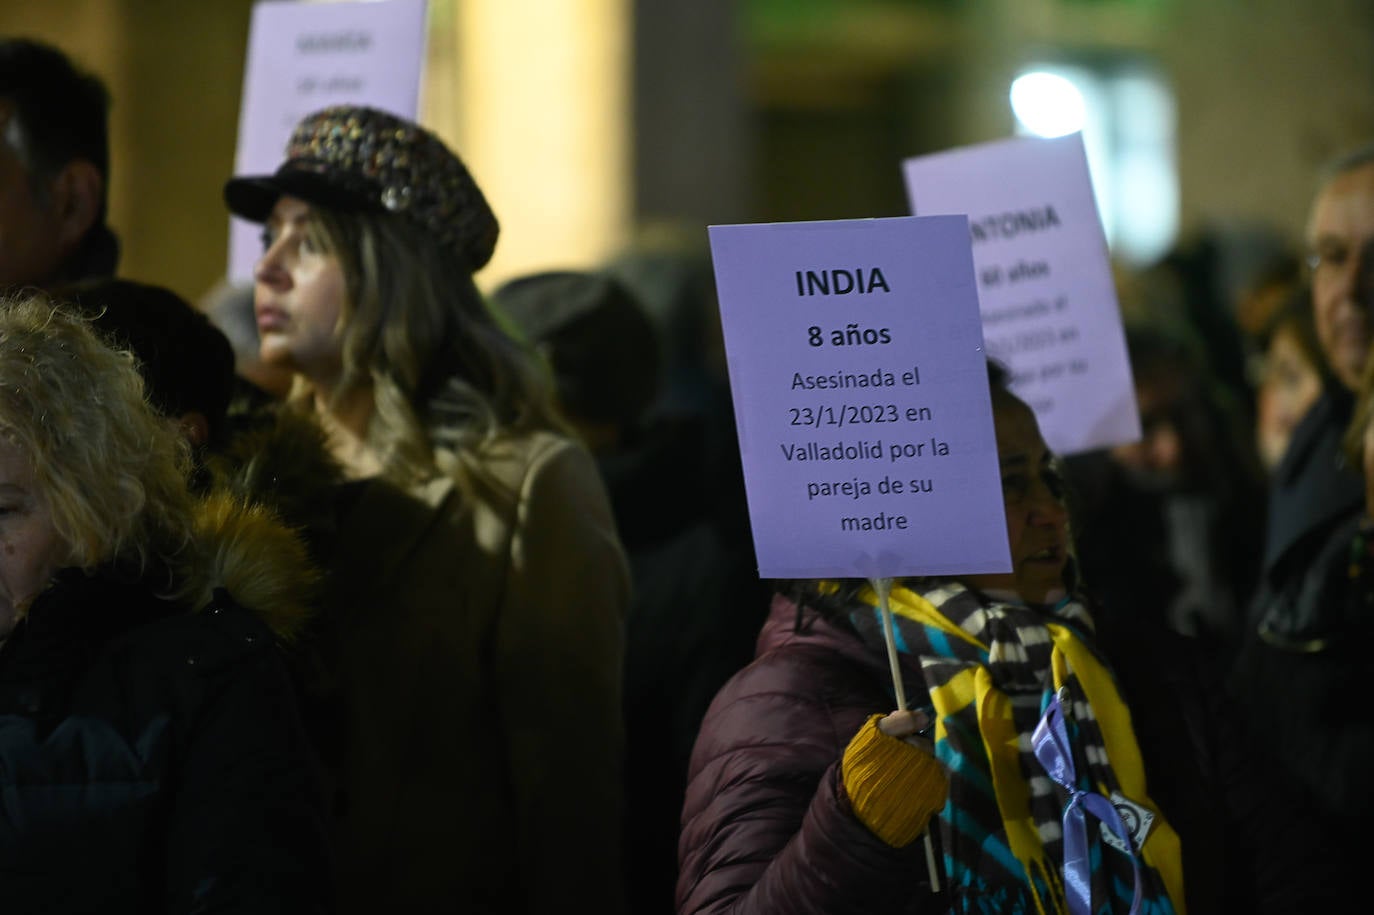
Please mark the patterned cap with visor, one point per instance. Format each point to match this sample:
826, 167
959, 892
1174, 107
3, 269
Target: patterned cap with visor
355, 158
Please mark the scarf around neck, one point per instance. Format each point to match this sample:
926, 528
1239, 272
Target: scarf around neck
991, 669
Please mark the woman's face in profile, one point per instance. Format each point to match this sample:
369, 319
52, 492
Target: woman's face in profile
1037, 521
30, 548
298, 296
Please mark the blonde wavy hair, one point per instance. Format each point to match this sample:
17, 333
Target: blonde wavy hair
446, 376
111, 471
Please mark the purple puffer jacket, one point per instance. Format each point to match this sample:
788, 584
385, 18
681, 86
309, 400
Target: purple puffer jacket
767, 827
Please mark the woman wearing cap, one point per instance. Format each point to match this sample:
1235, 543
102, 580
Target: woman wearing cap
152, 758
466, 665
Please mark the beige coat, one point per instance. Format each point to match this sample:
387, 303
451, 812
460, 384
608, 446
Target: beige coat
474, 651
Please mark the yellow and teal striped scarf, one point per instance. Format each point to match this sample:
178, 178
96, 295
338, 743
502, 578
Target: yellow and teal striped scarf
991, 669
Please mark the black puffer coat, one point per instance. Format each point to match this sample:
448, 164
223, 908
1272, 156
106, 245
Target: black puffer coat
152, 760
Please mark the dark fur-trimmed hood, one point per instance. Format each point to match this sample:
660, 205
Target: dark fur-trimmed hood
278, 456
263, 564
269, 513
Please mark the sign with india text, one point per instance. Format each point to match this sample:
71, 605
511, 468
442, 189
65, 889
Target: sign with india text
1045, 284
306, 56
861, 396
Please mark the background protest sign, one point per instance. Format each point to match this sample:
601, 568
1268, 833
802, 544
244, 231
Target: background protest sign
1044, 280
861, 396
306, 56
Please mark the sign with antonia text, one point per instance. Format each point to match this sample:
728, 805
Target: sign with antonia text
861, 397
1048, 300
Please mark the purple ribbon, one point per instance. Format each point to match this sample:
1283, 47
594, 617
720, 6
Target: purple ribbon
1052, 748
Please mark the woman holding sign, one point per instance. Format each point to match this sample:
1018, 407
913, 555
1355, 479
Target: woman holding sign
464, 675
1046, 778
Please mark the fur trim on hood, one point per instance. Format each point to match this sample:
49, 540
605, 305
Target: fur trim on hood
279, 456
264, 565
269, 514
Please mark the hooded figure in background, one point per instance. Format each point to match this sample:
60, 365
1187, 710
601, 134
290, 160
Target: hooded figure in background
697, 602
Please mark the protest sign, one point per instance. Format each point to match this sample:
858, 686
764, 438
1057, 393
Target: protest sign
1045, 284
861, 397
306, 56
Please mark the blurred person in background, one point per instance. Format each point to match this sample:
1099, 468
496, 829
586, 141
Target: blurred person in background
152, 757
1271, 287
668, 269
1171, 525
1292, 375
1312, 489
1305, 683
186, 363
464, 681
1198, 285
1300, 672
54, 169
697, 603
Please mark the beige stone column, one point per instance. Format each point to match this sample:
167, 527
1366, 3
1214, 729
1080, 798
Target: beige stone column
535, 96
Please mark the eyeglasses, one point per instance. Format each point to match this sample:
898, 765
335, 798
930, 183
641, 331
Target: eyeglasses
1332, 257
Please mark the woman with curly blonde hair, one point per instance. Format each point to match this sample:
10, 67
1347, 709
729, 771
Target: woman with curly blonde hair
150, 754
465, 672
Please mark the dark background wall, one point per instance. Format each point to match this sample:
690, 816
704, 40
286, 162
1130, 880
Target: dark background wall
776, 109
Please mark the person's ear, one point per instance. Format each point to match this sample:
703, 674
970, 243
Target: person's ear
77, 193
195, 427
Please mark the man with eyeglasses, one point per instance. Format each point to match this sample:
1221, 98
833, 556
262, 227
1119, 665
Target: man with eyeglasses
1301, 671
1313, 489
